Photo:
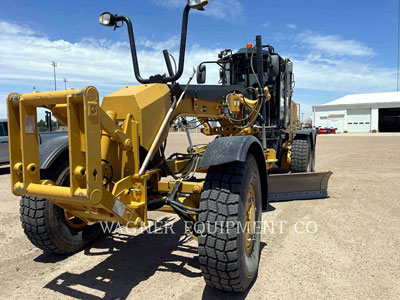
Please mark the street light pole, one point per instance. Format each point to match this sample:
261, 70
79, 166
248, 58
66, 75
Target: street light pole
54, 64
65, 82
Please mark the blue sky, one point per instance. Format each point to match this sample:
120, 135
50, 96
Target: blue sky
338, 47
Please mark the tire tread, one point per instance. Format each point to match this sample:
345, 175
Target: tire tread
33, 222
34, 216
218, 253
299, 155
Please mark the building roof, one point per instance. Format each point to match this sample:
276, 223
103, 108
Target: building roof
391, 97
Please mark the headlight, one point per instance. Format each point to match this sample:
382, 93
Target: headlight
107, 19
197, 4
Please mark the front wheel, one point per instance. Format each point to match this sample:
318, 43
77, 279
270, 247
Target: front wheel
51, 228
229, 240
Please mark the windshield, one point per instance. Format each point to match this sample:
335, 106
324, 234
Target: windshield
242, 73
243, 78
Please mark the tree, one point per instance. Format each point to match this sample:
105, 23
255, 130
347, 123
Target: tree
42, 126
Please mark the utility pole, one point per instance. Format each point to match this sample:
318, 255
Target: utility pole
54, 64
48, 121
65, 82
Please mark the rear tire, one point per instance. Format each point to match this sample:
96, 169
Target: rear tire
45, 223
301, 156
228, 257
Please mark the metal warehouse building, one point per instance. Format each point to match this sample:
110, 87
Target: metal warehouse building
360, 113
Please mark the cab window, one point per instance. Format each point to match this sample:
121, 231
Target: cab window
5, 126
2, 129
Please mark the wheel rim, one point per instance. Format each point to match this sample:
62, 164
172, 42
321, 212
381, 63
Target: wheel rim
73, 221
70, 219
249, 220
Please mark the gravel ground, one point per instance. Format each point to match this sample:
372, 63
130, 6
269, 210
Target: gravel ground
351, 249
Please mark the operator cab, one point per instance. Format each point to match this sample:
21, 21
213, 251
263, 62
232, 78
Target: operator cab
239, 69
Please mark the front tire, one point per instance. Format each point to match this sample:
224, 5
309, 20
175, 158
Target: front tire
229, 242
48, 226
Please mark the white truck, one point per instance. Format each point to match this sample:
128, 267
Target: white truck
4, 152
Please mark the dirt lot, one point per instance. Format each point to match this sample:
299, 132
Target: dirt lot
351, 250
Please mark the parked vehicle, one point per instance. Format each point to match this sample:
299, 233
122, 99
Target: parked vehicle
326, 130
43, 138
4, 157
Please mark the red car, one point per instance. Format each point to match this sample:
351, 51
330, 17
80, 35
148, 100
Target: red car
326, 130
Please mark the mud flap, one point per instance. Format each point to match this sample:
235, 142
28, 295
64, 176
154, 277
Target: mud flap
298, 186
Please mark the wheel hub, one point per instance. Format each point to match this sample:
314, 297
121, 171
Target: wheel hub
73, 221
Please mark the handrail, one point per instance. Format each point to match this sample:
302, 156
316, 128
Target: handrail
157, 78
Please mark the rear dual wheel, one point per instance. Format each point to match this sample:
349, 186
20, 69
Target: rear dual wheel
229, 241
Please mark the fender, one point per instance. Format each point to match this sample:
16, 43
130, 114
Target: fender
51, 149
235, 148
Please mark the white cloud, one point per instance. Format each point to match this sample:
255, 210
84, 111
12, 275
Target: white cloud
216, 8
341, 75
266, 24
331, 63
25, 58
291, 26
334, 45
11, 29
169, 44
221, 9
25, 61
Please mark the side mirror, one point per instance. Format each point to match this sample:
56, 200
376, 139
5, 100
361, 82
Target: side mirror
197, 4
273, 68
222, 76
201, 74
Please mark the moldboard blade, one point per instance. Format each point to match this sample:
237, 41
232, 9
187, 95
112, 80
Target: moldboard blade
298, 186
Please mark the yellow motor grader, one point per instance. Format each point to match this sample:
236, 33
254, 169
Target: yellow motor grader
112, 166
